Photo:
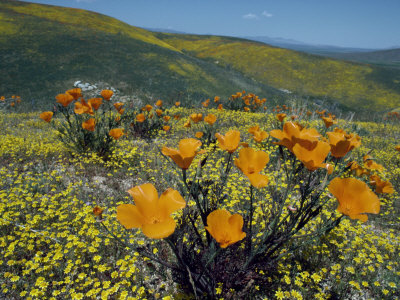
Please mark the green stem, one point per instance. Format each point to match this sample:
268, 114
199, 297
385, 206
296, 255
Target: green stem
249, 241
211, 259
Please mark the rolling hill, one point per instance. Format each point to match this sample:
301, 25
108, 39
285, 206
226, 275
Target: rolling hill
46, 48
354, 85
325, 50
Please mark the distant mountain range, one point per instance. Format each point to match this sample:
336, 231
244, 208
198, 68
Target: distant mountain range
305, 47
292, 44
45, 49
388, 57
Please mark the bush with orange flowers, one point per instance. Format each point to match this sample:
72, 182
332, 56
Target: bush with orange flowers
86, 125
147, 121
12, 103
285, 183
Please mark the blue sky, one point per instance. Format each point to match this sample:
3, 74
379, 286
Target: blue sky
349, 23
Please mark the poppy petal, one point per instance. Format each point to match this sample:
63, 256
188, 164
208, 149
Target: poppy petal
170, 201
129, 216
146, 199
258, 180
188, 147
159, 230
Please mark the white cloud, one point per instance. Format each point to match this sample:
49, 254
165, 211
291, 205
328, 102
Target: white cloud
267, 14
250, 16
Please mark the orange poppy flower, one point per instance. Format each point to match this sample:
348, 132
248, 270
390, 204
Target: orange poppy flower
206, 103
199, 134
2, 98
210, 119
357, 169
286, 135
397, 148
177, 103
140, 118
196, 117
312, 159
281, 117
83, 108
151, 213
97, 211
148, 107
246, 108
166, 118
342, 143
254, 129
118, 105
381, 186
251, 163
95, 102
329, 168
293, 133
177, 117
106, 94
328, 121
159, 103
166, 127
260, 135
355, 198
220, 106
225, 228
229, 142
64, 99
116, 133
186, 153
76, 93
187, 124
89, 124
46, 116
216, 99
372, 165
159, 112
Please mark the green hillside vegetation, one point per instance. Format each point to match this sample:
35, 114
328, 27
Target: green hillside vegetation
46, 48
351, 84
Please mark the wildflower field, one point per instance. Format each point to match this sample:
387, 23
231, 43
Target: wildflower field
230, 200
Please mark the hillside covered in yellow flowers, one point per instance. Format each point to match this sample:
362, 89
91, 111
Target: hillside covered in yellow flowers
45, 48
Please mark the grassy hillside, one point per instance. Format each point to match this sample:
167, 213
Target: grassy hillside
352, 84
46, 48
